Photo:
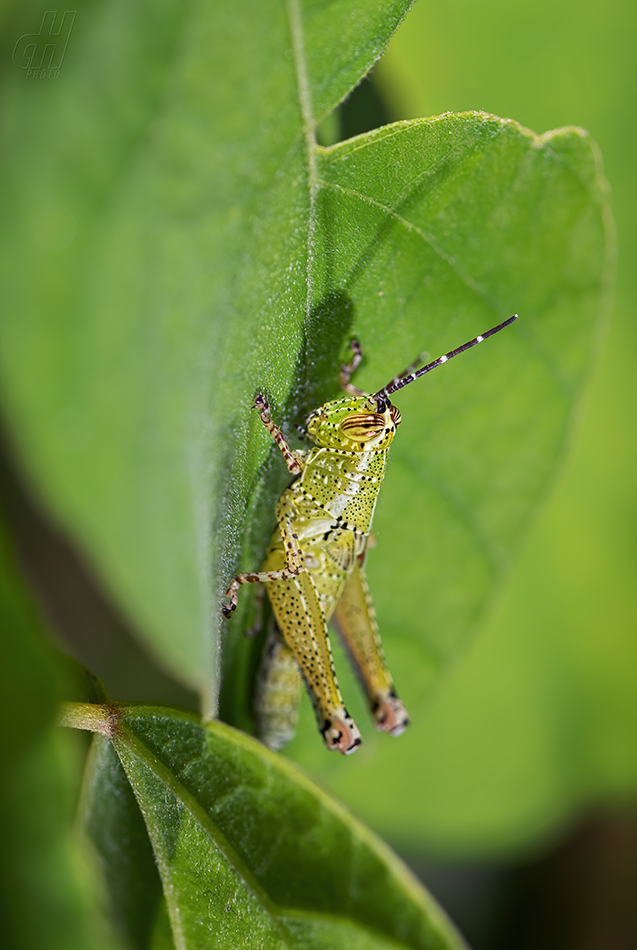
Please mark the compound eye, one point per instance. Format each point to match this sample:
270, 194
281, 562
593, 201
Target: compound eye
361, 426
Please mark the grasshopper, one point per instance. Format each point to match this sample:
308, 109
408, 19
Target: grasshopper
314, 569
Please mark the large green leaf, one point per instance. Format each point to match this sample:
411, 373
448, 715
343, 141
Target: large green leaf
219, 251
496, 220
113, 823
154, 262
250, 852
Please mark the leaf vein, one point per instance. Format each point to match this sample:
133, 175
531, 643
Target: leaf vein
472, 284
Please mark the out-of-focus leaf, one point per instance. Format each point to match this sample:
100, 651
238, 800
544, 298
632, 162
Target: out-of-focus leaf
81, 685
162, 932
250, 852
47, 892
28, 690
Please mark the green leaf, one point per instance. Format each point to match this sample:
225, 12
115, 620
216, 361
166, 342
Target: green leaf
111, 818
47, 889
154, 257
492, 220
250, 852
489, 220
219, 251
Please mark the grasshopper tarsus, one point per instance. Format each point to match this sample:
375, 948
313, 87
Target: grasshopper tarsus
341, 734
391, 716
293, 460
263, 406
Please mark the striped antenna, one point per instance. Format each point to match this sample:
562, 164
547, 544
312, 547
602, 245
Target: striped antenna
399, 381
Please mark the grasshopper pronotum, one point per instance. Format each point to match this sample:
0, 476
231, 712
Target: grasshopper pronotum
314, 568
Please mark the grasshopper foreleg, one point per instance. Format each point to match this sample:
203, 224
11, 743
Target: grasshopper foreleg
285, 513
293, 460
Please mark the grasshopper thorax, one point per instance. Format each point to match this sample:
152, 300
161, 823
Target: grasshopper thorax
355, 423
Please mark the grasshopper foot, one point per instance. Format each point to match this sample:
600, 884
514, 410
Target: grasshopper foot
262, 406
228, 609
232, 594
390, 715
341, 732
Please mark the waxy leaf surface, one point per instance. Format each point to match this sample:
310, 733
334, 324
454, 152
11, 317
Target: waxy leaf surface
250, 852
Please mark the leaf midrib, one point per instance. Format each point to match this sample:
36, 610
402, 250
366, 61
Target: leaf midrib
138, 748
307, 115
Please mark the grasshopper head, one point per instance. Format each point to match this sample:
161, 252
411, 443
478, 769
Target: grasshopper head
355, 423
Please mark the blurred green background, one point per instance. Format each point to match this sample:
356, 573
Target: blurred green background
527, 756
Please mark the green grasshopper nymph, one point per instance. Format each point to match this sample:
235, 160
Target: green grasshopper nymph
314, 568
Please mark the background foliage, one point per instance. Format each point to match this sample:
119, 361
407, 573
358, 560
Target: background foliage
156, 274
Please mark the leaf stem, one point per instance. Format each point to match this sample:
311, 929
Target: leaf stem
90, 716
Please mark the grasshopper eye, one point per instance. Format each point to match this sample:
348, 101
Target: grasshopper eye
361, 426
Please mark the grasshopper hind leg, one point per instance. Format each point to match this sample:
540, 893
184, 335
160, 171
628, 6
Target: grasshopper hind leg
389, 714
278, 696
355, 620
299, 615
339, 731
